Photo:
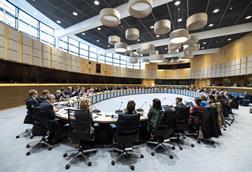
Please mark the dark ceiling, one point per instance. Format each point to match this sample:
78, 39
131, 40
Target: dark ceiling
231, 12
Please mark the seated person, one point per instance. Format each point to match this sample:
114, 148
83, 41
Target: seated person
203, 102
85, 105
76, 91
154, 113
59, 96
195, 111
211, 99
30, 103
130, 109
49, 110
42, 98
69, 92
179, 103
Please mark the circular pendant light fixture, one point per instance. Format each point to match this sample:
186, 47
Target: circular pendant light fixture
179, 36
132, 60
162, 26
109, 17
196, 21
158, 58
140, 8
132, 34
147, 48
121, 47
113, 39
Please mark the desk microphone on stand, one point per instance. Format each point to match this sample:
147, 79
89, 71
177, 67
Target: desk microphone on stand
140, 110
119, 111
96, 110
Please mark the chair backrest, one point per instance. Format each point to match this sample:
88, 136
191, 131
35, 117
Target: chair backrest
127, 129
36, 114
80, 124
165, 124
182, 116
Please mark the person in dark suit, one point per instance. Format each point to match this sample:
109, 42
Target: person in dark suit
59, 96
49, 110
179, 103
154, 113
130, 109
30, 103
43, 98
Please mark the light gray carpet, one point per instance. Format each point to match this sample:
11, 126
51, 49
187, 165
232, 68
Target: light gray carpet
233, 153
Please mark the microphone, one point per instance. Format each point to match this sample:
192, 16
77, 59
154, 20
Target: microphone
119, 110
140, 108
95, 109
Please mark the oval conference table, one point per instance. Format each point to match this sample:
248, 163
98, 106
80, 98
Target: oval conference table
111, 117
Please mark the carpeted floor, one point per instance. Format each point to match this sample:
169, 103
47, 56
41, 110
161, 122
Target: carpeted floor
232, 153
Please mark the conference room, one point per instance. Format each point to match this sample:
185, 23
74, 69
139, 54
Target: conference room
125, 85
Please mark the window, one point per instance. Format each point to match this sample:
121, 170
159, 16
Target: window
101, 57
63, 43
8, 13
73, 46
129, 65
123, 61
83, 50
27, 24
47, 34
93, 49
137, 65
109, 58
93, 56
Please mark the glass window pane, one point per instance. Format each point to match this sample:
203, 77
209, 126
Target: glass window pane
84, 53
7, 13
27, 24
47, 38
63, 44
83, 46
46, 29
92, 49
93, 56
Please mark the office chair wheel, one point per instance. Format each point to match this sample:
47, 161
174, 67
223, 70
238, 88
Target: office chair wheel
171, 156
141, 156
229, 124
67, 166
184, 137
89, 163
180, 148
65, 155
112, 162
50, 148
152, 153
28, 145
28, 153
192, 145
224, 129
198, 142
17, 136
212, 142
31, 137
132, 167
173, 147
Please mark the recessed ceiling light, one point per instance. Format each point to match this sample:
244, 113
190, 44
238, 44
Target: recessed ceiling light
229, 39
202, 47
75, 13
180, 20
178, 9
97, 40
157, 36
177, 3
58, 21
165, 48
108, 45
216, 10
98, 28
34, 13
204, 43
138, 40
83, 33
96, 2
211, 25
152, 27
230, 8
248, 17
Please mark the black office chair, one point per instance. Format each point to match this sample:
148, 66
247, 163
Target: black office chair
163, 129
80, 123
182, 117
28, 120
45, 126
126, 135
